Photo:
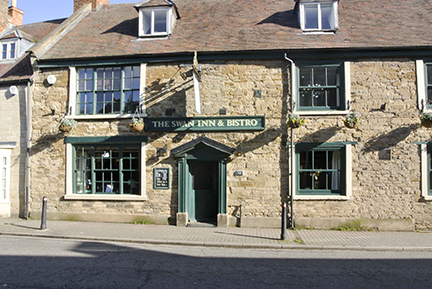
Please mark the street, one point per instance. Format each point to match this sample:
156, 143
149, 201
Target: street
28, 262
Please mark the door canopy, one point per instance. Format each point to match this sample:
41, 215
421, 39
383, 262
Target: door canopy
203, 147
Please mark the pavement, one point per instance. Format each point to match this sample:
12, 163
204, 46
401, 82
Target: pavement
261, 238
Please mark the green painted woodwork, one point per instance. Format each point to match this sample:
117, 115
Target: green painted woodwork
105, 139
221, 123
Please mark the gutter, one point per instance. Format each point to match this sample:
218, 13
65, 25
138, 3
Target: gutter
27, 163
292, 144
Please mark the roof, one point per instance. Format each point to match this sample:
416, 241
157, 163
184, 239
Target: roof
247, 25
21, 69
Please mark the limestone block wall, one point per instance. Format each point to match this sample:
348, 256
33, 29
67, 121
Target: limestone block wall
382, 90
13, 119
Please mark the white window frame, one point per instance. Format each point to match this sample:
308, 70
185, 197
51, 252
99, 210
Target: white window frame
348, 180
421, 86
302, 16
152, 13
346, 97
8, 50
424, 171
69, 181
5, 153
73, 97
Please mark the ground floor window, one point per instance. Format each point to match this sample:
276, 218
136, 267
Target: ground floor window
4, 174
105, 167
323, 169
426, 170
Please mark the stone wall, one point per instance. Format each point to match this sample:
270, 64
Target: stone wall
12, 111
382, 189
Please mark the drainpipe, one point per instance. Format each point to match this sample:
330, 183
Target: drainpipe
27, 163
292, 144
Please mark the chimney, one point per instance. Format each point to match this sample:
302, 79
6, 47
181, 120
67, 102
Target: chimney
95, 3
15, 14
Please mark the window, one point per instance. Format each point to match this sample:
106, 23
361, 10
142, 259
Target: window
4, 174
155, 22
107, 90
8, 51
110, 168
323, 170
424, 84
323, 88
319, 16
107, 169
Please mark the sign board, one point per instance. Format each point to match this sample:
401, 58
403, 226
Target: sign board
221, 123
161, 179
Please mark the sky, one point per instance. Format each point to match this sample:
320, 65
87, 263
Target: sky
42, 10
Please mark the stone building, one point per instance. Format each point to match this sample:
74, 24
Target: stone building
15, 90
218, 86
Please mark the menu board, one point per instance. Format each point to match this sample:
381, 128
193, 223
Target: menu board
161, 178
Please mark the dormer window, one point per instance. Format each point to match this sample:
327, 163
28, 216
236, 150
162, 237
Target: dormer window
318, 15
156, 17
8, 50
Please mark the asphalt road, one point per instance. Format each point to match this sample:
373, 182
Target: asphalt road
55, 263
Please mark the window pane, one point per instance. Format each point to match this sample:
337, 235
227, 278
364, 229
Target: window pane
320, 160
306, 97
147, 21
305, 160
429, 92
305, 76
4, 173
305, 181
319, 97
4, 161
12, 50
319, 74
311, 16
332, 76
328, 21
160, 21
128, 71
429, 74
332, 97
4, 51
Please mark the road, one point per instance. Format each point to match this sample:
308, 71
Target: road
57, 263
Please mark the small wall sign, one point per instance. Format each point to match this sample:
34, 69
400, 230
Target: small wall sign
161, 179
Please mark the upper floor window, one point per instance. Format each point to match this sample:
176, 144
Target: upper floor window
318, 16
424, 84
323, 87
8, 50
107, 90
155, 19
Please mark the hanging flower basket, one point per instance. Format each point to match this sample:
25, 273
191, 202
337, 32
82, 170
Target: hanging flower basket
137, 124
295, 121
351, 119
67, 124
426, 119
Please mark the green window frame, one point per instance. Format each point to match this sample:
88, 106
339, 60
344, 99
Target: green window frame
107, 169
321, 169
429, 169
108, 90
320, 87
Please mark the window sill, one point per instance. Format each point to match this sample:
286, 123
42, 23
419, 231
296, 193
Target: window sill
104, 116
105, 197
427, 198
320, 197
322, 112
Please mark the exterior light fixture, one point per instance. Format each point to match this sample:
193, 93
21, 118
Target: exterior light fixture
51, 79
162, 152
13, 90
183, 75
239, 152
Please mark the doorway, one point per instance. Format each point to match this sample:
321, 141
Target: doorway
204, 191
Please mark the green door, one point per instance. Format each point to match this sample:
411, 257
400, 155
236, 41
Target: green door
204, 190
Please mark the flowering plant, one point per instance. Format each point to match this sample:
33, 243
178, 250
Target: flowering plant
294, 120
352, 119
137, 124
426, 119
67, 124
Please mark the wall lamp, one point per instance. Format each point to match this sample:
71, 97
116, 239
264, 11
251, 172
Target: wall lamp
51, 79
239, 151
162, 152
13, 90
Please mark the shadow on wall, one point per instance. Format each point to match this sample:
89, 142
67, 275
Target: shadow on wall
389, 139
322, 135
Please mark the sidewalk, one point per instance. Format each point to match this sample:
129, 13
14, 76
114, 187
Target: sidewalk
221, 237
